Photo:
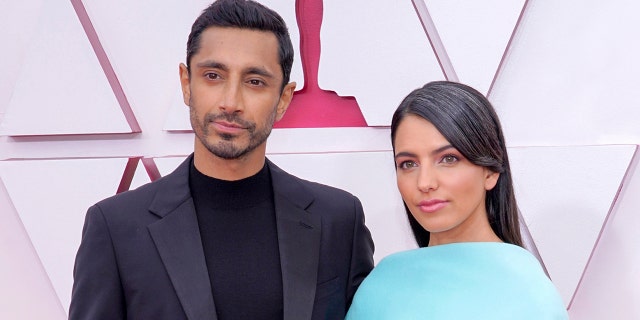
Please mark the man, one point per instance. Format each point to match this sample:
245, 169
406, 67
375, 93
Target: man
227, 235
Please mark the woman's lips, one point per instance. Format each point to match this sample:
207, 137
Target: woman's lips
430, 206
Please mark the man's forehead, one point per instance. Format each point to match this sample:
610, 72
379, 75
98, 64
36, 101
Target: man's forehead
235, 48
219, 33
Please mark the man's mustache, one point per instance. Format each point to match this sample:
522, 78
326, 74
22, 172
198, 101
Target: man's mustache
230, 117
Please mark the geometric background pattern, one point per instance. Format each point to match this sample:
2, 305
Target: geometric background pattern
90, 106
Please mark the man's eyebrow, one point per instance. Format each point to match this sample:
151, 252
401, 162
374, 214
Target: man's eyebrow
212, 64
251, 70
259, 71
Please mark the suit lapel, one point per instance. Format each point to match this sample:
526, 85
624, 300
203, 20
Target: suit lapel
299, 244
177, 238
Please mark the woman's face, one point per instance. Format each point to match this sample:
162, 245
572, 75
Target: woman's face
444, 191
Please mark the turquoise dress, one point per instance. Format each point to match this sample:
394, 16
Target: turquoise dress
475, 280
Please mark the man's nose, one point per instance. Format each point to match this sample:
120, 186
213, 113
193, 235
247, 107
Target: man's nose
231, 100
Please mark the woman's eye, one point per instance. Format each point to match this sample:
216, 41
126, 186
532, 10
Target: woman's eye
449, 159
407, 165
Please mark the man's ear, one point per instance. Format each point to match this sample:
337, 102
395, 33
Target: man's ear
285, 100
184, 82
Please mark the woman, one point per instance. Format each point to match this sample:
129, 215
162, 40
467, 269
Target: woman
453, 174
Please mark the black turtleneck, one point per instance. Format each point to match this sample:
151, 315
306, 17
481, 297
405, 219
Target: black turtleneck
238, 229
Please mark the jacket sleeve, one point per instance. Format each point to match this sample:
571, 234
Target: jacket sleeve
361, 253
97, 292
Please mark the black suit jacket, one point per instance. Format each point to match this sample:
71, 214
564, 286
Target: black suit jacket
141, 255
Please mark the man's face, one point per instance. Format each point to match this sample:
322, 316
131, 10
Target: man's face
233, 91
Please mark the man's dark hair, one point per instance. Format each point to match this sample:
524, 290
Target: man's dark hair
243, 14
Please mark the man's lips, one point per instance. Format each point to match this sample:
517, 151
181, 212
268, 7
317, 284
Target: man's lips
430, 206
227, 127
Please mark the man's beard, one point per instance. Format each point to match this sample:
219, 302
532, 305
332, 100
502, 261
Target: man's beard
226, 148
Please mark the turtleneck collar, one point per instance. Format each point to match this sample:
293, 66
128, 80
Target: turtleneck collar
236, 194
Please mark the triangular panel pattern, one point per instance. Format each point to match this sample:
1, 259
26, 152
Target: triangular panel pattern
362, 54
61, 88
140, 177
571, 75
475, 35
166, 165
16, 30
64, 190
609, 288
23, 277
565, 194
328, 140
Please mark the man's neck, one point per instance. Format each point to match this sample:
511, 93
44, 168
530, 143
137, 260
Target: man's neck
229, 169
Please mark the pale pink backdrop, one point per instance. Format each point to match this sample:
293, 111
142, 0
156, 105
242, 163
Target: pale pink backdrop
90, 106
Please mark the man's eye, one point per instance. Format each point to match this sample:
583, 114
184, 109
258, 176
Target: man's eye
212, 76
255, 82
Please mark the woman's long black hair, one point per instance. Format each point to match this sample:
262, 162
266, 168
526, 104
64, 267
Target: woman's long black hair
468, 121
